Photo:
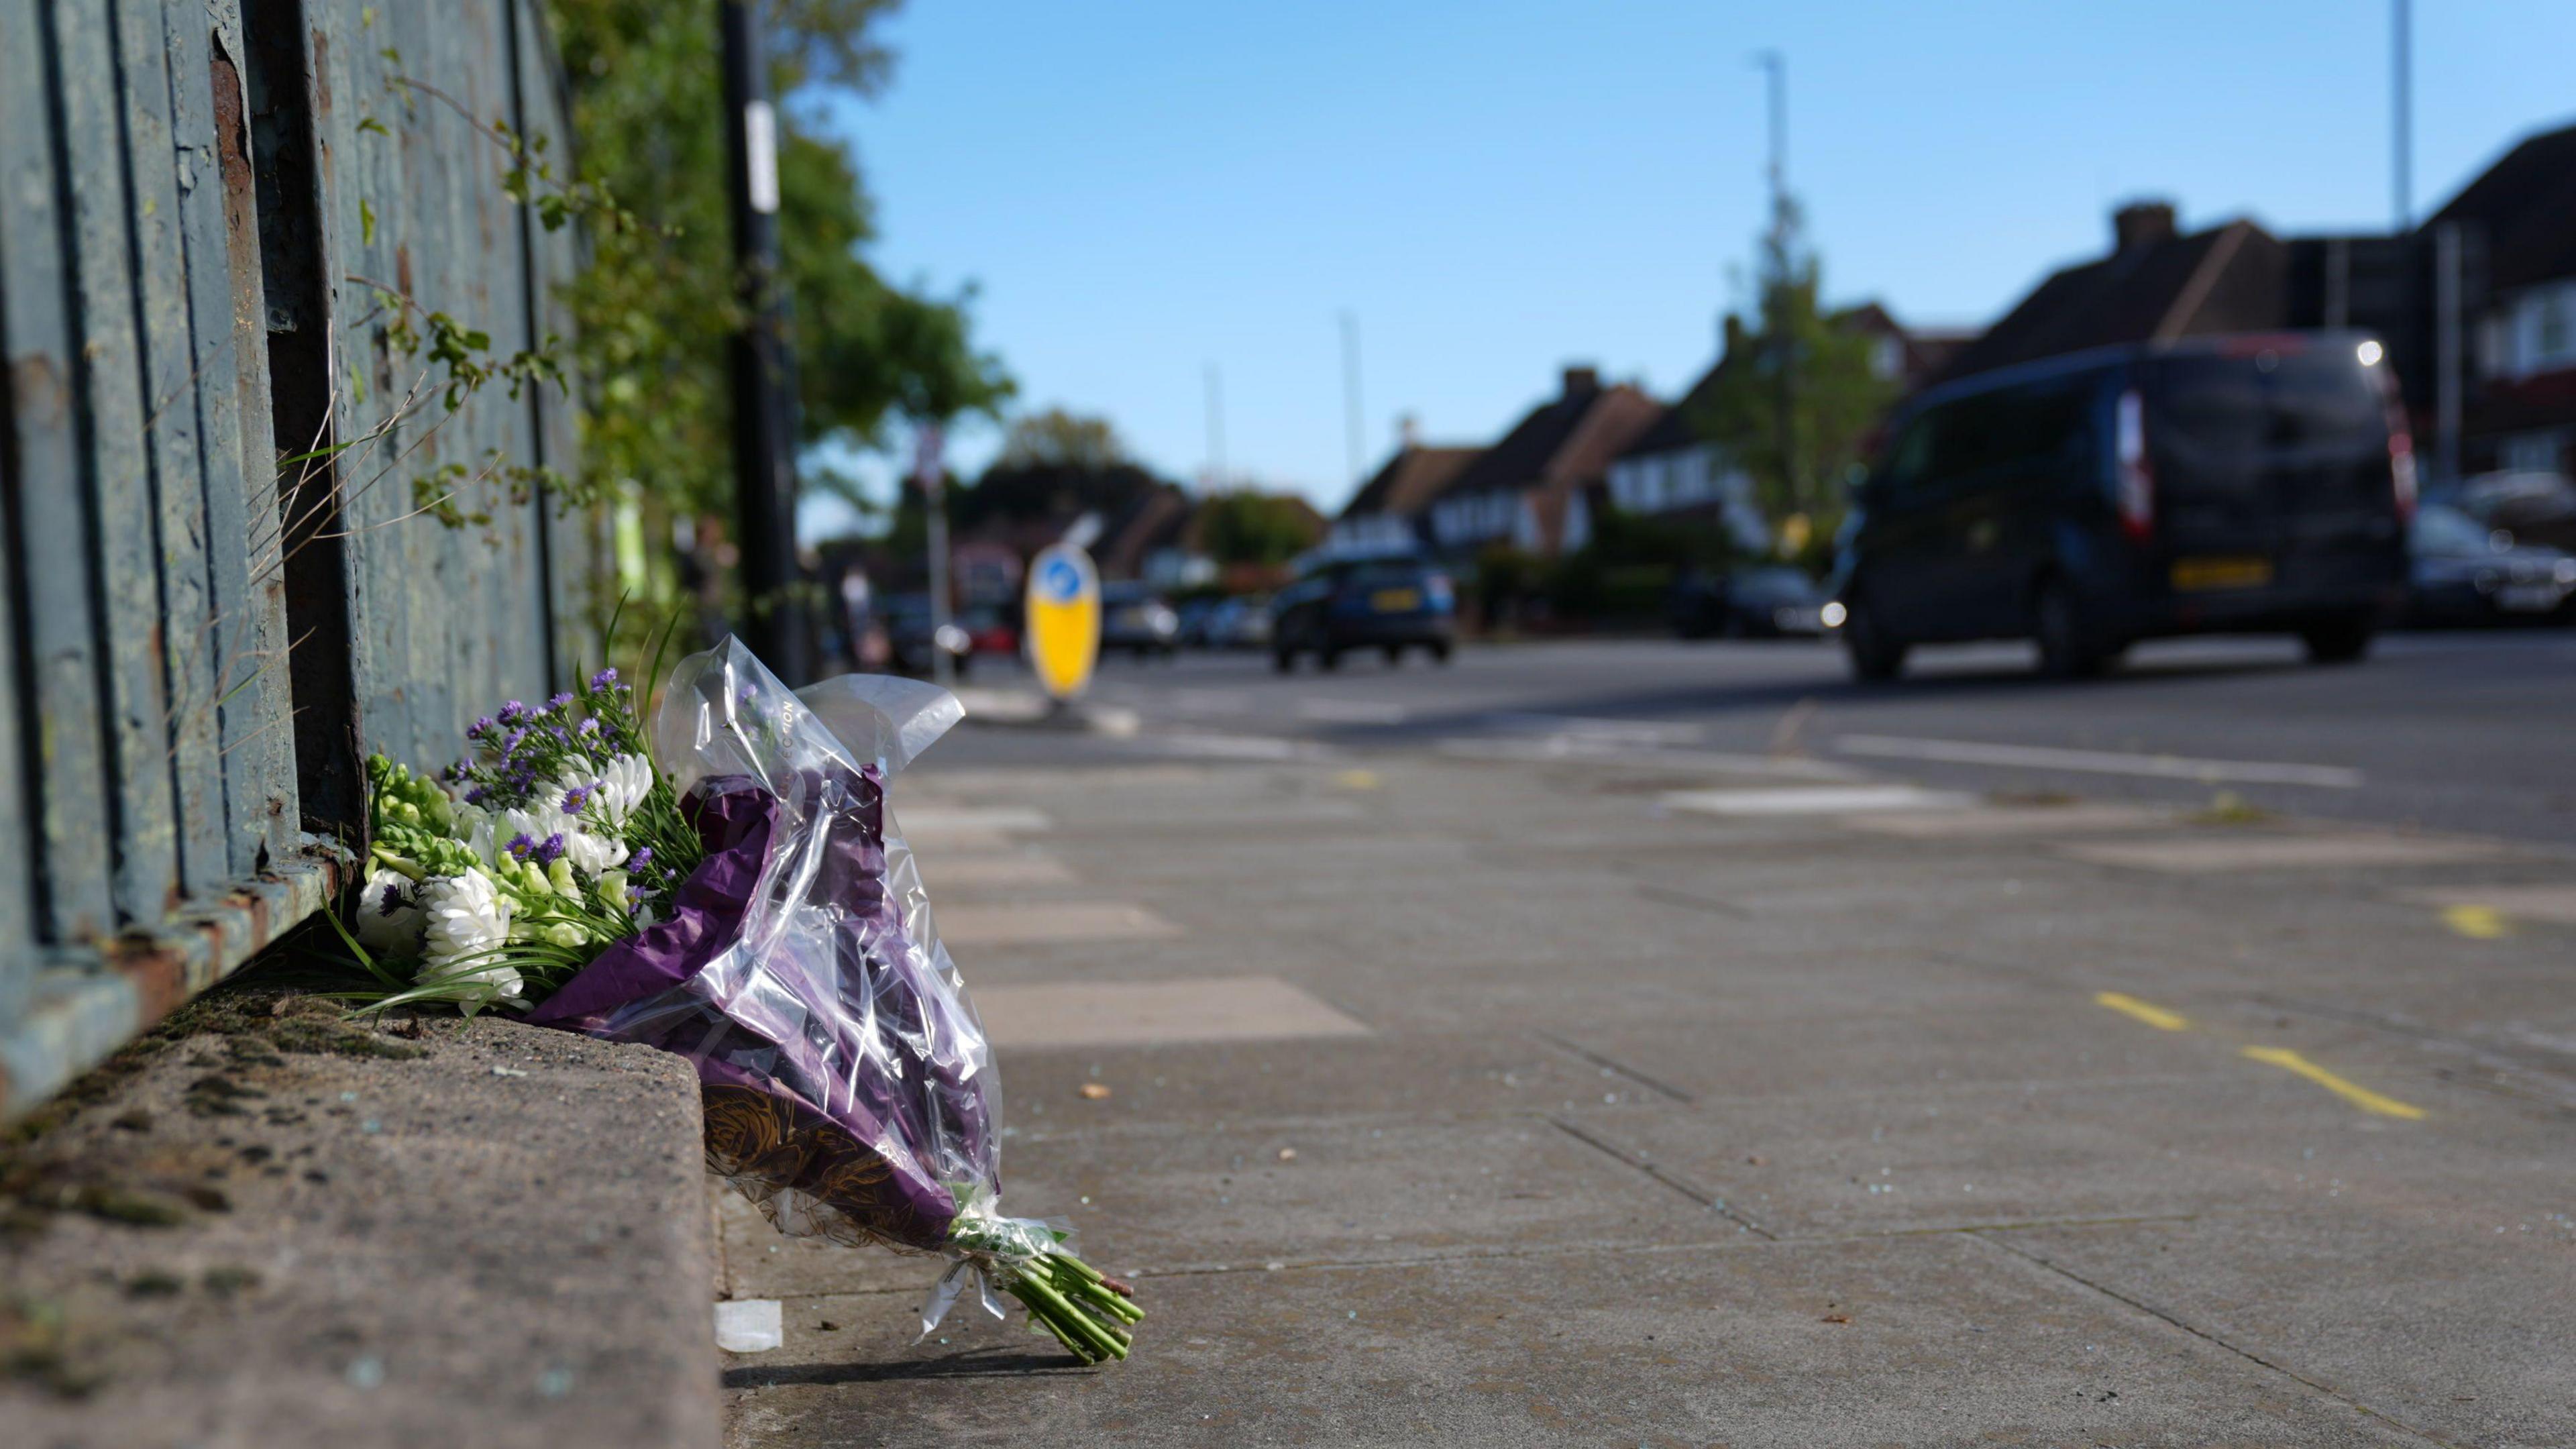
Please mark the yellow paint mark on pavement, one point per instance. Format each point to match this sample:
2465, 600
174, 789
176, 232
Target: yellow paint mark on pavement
2362, 1097
2478, 923
1356, 779
2148, 1012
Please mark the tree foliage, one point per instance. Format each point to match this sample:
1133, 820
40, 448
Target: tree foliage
657, 303
1835, 395
1245, 527
1057, 438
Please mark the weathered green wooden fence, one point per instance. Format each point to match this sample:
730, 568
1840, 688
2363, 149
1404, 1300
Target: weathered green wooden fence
201, 205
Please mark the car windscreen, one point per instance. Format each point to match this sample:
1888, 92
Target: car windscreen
1387, 576
2294, 398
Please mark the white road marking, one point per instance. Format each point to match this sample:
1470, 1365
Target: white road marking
1352, 711
1547, 748
1822, 800
2102, 762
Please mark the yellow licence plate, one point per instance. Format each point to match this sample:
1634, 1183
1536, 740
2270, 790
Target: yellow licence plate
1396, 601
2195, 574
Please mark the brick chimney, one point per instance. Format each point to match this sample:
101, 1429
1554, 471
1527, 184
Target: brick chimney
1581, 382
2142, 223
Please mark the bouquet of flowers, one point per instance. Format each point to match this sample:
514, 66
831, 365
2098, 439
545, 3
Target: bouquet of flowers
732, 889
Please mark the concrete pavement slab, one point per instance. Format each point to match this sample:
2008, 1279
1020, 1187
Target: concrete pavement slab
1039, 923
1208, 1199
2007, 820
2554, 903
948, 872
1148, 1013
2454, 1328
1939, 1340
2319, 850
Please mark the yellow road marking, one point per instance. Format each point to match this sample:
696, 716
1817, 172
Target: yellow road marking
2362, 1097
1356, 779
2148, 1012
2478, 923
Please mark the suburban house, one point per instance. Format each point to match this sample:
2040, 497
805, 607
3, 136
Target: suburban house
1672, 469
2517, 224
2156, 285
1533, 489
1388, 513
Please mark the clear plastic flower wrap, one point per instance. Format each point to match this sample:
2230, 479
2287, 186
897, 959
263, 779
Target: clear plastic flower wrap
849, 1088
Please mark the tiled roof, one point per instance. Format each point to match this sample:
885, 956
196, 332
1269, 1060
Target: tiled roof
2230, 278
2526, 203
1410, 479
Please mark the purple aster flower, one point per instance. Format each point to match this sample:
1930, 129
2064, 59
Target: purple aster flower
603, 679
577, 797
553, 847
560, 700
512, 712
474, 796
520, 844
588, 727
480, 728
640, 859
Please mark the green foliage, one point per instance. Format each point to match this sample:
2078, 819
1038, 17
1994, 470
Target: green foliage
1836, 397
658, 303
1245, 527
1055, 438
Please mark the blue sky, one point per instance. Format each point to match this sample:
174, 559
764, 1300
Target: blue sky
1142, 188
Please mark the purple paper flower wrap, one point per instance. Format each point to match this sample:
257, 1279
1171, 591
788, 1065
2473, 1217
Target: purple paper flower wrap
847, 1084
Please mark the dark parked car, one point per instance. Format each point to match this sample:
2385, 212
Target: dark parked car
1239, 624
2243, 484
908, 636
2468, 573
1747, 603
1385, 604
1134, 618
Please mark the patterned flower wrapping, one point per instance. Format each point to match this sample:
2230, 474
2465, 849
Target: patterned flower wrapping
849, 1090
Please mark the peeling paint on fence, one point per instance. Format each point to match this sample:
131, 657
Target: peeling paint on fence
202, 206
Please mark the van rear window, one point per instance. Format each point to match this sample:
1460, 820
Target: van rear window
2269, 400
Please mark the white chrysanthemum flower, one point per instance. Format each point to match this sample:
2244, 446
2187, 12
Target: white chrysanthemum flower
468, 918
590, 854
389, 919
623, 784
489, 833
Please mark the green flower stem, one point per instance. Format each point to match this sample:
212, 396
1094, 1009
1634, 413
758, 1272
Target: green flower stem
1063, 1314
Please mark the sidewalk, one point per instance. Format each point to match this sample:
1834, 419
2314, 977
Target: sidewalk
1500, 1102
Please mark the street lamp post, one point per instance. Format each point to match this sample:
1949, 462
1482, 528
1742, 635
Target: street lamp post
764, 369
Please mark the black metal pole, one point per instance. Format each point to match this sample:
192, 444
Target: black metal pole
764, 392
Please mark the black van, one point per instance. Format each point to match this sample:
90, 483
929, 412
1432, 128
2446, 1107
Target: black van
2255, 483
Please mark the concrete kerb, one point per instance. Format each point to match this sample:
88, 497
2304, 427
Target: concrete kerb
267, 1225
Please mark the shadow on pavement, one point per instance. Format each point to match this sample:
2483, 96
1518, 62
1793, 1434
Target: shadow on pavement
975, 1363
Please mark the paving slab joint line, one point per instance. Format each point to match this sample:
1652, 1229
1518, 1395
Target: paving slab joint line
1667, 896
1705, 1199
1607, 1064
2213, 1339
